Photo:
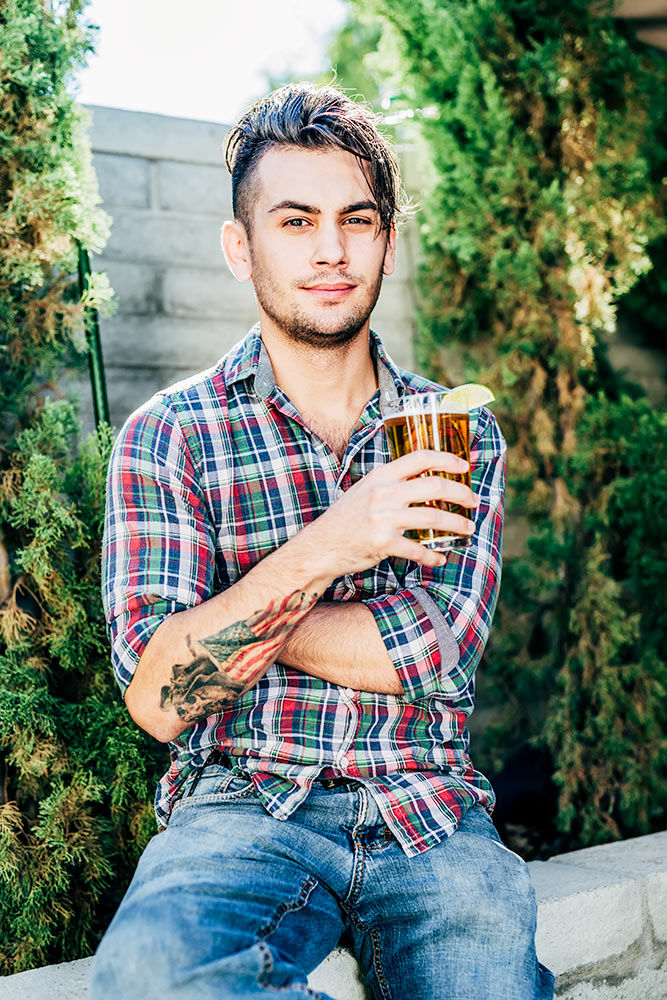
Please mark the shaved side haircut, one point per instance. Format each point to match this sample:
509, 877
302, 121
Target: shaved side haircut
311, 117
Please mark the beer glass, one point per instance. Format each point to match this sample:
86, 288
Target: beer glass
426, 420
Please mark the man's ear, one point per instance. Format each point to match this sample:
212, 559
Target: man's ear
235, 247
390, 252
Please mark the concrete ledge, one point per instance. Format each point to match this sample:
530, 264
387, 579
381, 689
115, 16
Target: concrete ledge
602, 929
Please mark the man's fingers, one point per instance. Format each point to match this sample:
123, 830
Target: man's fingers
417, 462
425, 488
419, 553
431, 518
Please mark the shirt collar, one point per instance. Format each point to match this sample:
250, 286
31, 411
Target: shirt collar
249, 359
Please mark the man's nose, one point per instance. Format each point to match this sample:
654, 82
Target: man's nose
329, 249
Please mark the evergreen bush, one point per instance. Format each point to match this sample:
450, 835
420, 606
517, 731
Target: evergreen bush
76, 775
540, 133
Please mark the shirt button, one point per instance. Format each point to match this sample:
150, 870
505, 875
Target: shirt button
349, 692
344, 763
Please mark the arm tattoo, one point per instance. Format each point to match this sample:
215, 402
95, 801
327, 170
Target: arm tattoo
233, 660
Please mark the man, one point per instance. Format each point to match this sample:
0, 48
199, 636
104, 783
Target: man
311, 667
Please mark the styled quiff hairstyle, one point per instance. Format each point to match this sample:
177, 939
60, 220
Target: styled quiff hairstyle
310, 117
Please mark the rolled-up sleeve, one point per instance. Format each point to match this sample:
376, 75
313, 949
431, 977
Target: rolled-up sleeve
436, 626
158, 544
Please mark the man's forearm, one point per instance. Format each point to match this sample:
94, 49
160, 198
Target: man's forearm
341, 643
198, 661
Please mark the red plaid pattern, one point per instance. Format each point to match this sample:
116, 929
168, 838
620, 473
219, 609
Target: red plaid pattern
212, 474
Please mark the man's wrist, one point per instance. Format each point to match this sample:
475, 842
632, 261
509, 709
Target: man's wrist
316, 564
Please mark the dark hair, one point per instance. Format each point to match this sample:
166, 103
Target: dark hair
301, 114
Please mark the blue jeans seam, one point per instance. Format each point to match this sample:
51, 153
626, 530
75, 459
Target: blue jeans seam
186, 802
376, 949
377, 963
359, 862
381, 845
357, 872
267, 966
284, 908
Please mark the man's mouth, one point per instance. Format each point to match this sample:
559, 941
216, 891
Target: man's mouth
326, 289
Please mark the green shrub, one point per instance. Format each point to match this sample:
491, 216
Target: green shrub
540, 140
76, 775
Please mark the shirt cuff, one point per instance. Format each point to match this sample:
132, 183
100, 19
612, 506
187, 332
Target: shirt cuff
413, 641
129, 635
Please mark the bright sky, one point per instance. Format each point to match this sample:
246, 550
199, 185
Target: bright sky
204, 59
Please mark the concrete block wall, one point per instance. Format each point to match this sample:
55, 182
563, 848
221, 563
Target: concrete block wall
602, 930
164, 183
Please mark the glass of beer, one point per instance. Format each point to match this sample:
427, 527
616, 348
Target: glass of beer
426, 420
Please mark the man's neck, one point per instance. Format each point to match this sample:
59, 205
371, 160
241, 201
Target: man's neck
328, 386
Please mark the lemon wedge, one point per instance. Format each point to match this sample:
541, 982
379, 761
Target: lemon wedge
470, 396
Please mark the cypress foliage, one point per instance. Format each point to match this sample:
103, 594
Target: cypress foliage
541, 138
76, 775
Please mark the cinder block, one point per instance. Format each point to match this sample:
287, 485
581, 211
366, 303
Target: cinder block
338, 977
585, 916
639, 855
167, 342
650, 984
206, 293
122, 180
396, 337
76, 386
66, 981
165, 237
196, 188
128, 388
156, 137
136, 286
404, 267
397, 297
656, 891
393, 320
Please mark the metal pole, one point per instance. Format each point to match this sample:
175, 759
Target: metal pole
95, 363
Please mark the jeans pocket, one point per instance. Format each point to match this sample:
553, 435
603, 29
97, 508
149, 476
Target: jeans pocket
213, 782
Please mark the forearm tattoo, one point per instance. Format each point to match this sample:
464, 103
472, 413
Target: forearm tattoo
233, 659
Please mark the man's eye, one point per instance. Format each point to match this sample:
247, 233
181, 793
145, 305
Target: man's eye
358, 220
296, 223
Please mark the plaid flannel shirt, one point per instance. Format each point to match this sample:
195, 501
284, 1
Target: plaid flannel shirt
215, 472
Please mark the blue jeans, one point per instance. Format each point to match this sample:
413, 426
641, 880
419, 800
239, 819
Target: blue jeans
229, 902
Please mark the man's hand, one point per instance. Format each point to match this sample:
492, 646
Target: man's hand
367, 523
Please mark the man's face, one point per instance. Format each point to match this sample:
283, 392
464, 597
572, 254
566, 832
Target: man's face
316, 252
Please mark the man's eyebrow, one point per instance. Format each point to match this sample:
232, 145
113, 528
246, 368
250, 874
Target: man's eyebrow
308, 209
357, 206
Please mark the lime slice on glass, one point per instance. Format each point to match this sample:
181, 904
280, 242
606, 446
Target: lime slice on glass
470, 396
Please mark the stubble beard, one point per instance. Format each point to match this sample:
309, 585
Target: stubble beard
299, 327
